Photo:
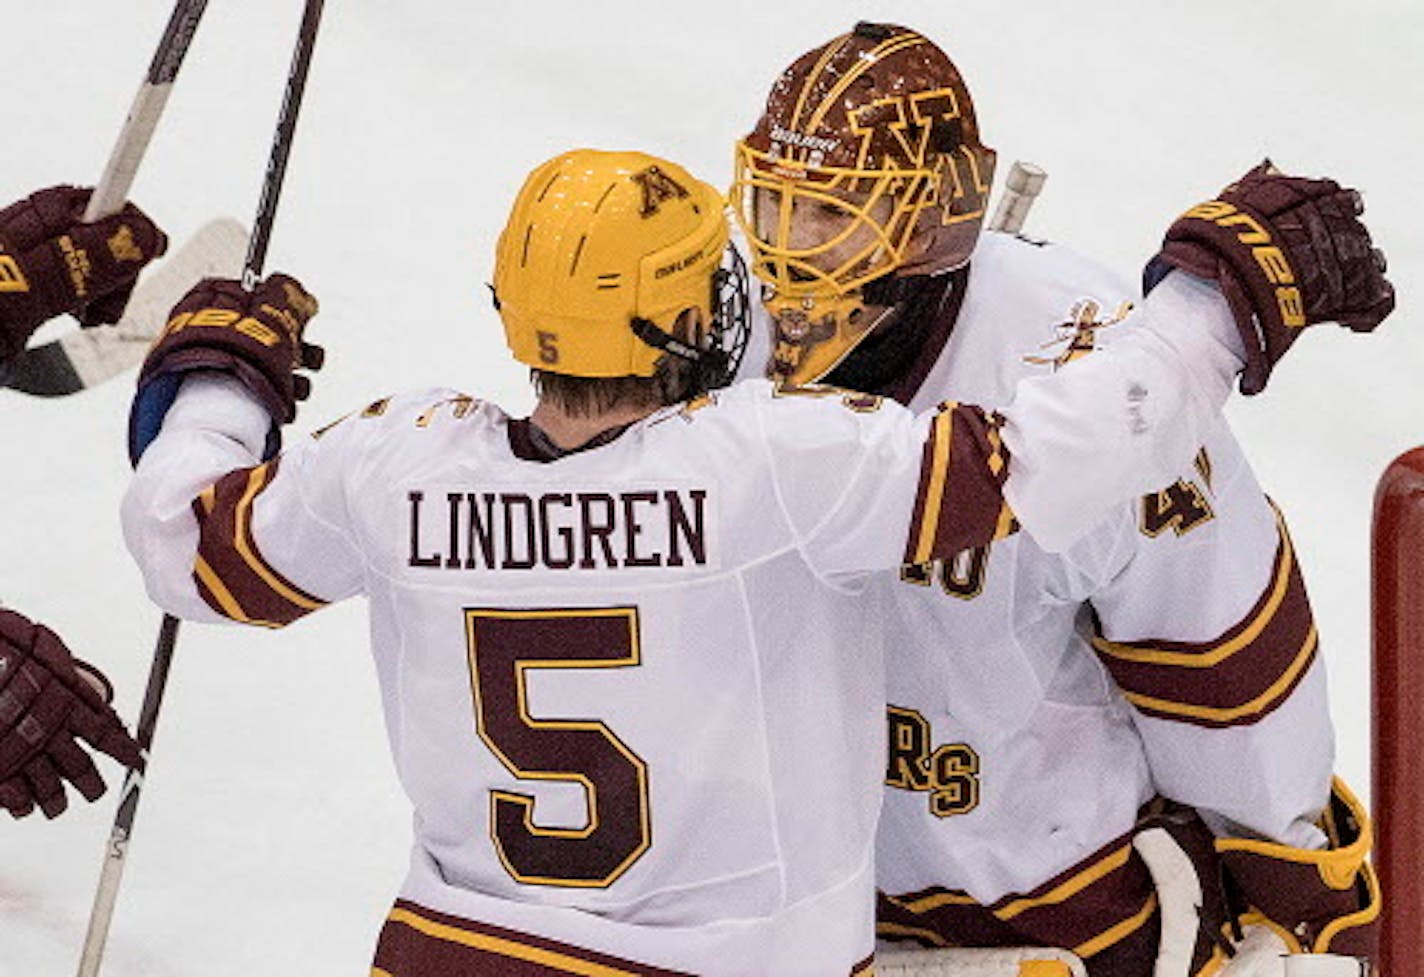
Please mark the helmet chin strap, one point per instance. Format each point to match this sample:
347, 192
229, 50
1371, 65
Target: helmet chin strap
711, 364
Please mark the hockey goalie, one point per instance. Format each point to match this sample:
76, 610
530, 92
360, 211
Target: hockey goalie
1143, 783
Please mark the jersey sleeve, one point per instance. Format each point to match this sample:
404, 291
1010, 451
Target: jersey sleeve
1124, 420
1068, 450
1208, 632
219, 534
866, 485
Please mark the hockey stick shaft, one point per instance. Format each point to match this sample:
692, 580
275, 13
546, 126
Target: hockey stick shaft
107, 894
282, 144
128, 152
1021, 188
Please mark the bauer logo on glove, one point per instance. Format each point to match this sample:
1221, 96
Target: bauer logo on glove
1287, 252
255, 336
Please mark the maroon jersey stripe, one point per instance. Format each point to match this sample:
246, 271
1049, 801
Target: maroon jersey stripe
1103, 908
419, 942
1236, 678
960, 503
230, 571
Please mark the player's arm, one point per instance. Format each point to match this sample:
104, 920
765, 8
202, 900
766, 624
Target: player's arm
51, 262
1241, 276
222, 528
1208, 632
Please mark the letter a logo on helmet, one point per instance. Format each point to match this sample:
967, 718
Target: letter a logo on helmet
866, 163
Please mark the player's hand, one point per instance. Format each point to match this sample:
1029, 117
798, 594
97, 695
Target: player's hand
256, 336
51, 262
1288, 252
52, 706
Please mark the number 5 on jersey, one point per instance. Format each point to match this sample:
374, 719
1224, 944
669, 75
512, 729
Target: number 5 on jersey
504, 645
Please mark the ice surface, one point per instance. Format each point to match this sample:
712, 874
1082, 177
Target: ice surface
272, 833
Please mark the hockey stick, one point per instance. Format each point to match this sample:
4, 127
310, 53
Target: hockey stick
147, 109
1023, 185
107, 894
51, 370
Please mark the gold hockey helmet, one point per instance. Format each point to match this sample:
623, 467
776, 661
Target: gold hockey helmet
866, 163
602, 252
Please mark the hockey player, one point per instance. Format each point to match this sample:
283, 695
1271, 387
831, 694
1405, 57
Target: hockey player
52, 705
637, 715
1014, 794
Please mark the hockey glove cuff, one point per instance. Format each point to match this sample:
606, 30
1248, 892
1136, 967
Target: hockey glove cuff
51, 704
1325, 901
1288, 252
254, 336
51, 262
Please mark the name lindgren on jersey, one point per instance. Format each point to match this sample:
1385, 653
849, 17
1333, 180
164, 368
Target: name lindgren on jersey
474, 528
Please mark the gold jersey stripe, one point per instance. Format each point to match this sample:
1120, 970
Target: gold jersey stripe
996, 453
256, 482
1005, 525
1116, 934
507, 948
1155, 656
926, 903
226, 601
943, 432
1062, 892
1234, 713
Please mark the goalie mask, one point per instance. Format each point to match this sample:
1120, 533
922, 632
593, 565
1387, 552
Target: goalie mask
602, 254
866, 167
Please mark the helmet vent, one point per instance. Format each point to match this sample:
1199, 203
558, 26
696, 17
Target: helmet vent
873, 32
547, 187
612, 280
578, 253
524, 255
601, 199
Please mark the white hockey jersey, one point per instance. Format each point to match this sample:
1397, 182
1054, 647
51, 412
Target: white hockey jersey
629, 693
1013, 788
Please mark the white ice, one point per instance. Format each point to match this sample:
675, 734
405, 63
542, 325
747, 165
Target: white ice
272, 833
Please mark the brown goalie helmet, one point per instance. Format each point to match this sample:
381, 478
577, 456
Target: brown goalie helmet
866, 165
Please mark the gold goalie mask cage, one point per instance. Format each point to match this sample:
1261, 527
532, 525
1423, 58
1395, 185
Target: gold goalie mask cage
602, 253
866, 163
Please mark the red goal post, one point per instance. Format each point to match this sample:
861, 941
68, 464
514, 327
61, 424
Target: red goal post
1397, 735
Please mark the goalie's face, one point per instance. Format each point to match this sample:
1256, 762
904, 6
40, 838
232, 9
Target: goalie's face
817, 237
834, 233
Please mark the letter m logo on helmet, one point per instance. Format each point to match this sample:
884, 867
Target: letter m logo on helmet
866, 163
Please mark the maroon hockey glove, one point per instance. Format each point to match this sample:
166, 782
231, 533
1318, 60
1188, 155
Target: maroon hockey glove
50, 703
1327, 900
1288, 252
256, 336
52, 263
